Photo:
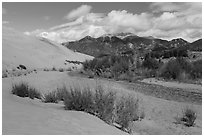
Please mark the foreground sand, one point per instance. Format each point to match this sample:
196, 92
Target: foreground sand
26, 116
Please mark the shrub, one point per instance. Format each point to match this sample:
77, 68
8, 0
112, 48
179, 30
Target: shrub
61, 70
33, 93
23, 90
170, 70
181, 69
45, 69
4, 75
104, 104
151, 63
126, 112
120, 67
60, 92
189, 117
196, 69
50, 97
78, 100
54, 69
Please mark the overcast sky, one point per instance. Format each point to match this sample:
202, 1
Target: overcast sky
72, 21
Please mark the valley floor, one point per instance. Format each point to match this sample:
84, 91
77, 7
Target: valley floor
26, 116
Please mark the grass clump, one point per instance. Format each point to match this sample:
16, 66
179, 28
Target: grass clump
23, 90
75, 99
50, 97
189, 117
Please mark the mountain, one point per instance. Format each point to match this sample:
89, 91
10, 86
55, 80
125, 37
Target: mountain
114, 44
175, 43
34, 52
196, 45
98, 46
123, 42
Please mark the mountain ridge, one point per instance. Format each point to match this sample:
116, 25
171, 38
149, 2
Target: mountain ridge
112, 44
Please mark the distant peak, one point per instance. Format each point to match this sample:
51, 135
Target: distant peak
119, 35
87, 38
150, 37
179, 39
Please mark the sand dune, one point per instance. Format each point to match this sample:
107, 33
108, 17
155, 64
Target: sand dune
18, 48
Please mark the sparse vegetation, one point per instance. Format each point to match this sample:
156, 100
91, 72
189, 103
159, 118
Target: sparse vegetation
104, 104
24, 90
98, 102
45, 69
79, 100
127, 112
188, 117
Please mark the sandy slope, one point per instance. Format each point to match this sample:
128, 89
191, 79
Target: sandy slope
26, 116
18, 48
40, 118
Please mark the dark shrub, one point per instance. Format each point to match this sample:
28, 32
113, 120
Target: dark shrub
4, 75
189, 117
45, 69
180, 67
171, 69
23, 90
151, 63
120, 67
54, 69
196, 69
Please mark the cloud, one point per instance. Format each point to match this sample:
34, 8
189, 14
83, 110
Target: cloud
166, 7
125, 19
167, 20
80, 11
